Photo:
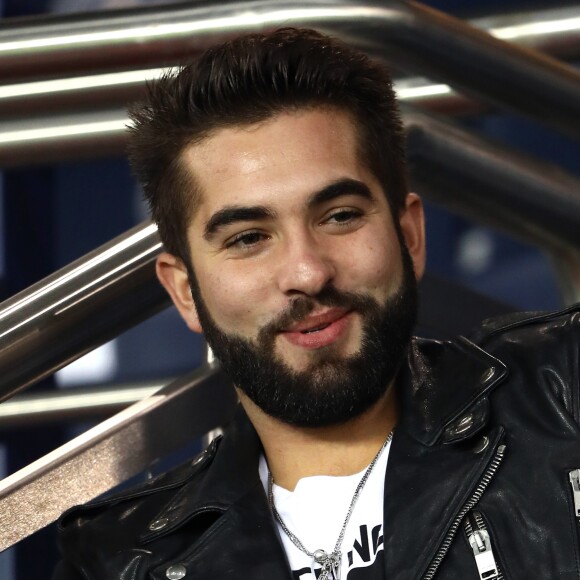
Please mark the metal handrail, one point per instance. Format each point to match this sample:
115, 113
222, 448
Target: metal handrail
468, 59
115, 286
79, 307
62, 137
81, 93
555, 32
73, 404
65, 136
112, 452
521, 195
79, 135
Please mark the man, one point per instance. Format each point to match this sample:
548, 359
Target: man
274, 167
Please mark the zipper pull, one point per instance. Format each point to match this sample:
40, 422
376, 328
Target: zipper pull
575, 481
480, 543
484, 560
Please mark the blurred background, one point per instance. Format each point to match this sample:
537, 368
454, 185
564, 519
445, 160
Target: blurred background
52, 213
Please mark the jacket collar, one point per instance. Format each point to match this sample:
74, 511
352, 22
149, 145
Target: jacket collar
441, 392
245, 536
231, 472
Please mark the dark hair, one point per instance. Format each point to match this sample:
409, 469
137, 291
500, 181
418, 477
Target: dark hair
247, 80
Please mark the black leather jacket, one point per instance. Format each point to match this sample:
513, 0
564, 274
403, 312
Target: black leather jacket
488, 434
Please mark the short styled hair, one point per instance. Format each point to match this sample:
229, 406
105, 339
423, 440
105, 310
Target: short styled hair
248, 80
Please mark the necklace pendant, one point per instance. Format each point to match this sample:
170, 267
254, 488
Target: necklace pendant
336, 563
330, 564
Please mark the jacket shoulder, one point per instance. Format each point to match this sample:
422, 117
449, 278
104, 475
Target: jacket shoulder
533, 324
540, 351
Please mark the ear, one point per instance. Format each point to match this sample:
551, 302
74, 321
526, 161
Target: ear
412, 220
172, 274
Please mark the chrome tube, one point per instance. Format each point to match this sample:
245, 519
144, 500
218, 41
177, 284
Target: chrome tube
488, 182
78, 93
44, 99
72, 404
79, 307
78, 135
113, 451
555, 32
62, 138
491, 184
65, 137
414, 37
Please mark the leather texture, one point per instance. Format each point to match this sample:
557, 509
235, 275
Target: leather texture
512, 389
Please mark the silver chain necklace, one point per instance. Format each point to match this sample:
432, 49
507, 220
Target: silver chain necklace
330, 562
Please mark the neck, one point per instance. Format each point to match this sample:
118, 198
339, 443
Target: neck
296, 452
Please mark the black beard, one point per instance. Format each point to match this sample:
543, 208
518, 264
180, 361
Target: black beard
333, 388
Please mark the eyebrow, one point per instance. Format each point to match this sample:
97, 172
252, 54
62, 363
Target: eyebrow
237, 213
339, 188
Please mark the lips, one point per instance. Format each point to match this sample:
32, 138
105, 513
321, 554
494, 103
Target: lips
316, 329
319, 330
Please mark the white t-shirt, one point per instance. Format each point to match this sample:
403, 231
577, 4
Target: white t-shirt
315, 512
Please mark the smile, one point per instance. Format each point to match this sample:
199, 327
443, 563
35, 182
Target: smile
320, 330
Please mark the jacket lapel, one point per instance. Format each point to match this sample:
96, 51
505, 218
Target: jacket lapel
440, 385
425, 491
437, 459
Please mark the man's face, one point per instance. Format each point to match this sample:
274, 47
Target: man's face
301, 285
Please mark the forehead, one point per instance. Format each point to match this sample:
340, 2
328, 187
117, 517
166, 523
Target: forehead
273, 161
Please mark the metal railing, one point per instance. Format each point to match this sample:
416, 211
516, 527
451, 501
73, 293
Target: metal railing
518, 194
115, 285
73, 404
555, 32
470, 60
112, 452
82, 305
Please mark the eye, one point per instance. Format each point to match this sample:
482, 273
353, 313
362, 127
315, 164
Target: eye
343, 216
245, 240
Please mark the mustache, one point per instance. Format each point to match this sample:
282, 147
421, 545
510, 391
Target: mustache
300, 307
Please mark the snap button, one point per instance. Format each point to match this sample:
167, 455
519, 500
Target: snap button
481, 445
468, 424
461, 426
464, 424
158, 524
488, 374
176, 572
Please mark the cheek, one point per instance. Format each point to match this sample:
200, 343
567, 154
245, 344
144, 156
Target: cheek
233, 296
376, 263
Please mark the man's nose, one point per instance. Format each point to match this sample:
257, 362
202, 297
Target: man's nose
305, 268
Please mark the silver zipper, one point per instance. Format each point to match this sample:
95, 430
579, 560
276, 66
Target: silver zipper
480, 543
485, 480
575, 482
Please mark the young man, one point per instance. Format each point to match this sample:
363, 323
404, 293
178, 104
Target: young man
274, 167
